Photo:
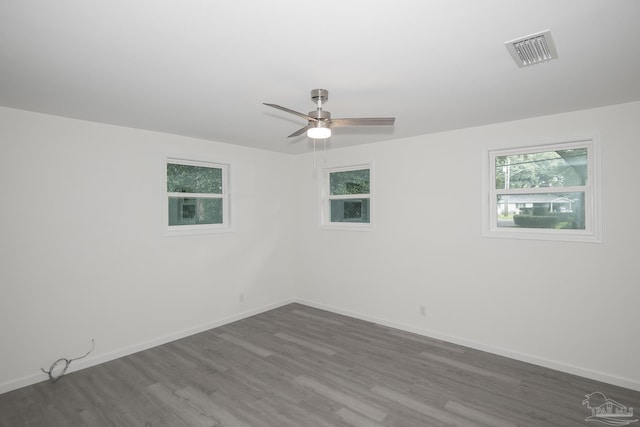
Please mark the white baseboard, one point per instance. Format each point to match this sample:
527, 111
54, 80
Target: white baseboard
106, 357
97, 359
551, 364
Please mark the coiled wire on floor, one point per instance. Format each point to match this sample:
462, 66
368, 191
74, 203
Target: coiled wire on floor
60, 366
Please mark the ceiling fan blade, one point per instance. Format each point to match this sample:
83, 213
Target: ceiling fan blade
304, 116
299, 131
370, 121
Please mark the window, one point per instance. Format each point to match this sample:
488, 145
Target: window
544, 192
196, 197
347, 197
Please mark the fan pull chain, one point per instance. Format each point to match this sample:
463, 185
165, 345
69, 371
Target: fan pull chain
324, 151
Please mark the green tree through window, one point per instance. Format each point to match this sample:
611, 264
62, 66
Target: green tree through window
195, 192
544, 187
349, 198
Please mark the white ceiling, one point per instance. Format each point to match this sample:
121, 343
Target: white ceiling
203, 68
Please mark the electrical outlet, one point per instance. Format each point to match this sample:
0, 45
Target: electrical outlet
423, 310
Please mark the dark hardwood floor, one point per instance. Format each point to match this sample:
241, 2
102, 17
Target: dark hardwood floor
300, 366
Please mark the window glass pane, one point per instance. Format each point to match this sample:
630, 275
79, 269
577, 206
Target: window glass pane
193, 179
191, 210
549, 210
558, 168
350, 210
349, 182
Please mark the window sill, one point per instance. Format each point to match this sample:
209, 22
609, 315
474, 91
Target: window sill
347, 227
194, 231
548, 234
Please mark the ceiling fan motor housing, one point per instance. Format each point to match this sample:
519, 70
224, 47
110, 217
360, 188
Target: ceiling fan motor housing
320, 115
320, 94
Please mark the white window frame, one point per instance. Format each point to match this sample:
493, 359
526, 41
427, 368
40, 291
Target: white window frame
194, 229
593, 210
325, 215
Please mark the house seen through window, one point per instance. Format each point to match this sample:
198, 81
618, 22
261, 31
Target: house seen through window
546, 189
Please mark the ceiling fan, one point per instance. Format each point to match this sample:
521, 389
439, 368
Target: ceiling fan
320, 122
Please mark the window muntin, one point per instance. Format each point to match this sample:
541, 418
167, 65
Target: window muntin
348, 196
544, 192
196, 196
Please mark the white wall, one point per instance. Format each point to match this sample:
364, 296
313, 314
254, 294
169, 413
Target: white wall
571, 306
82, 254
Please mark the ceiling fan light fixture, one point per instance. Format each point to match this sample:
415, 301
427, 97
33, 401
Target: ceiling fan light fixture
319, 132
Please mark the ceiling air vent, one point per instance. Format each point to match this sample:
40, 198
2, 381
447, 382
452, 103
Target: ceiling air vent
533, 49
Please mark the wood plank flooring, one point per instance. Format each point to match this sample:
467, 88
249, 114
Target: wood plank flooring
299, 366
